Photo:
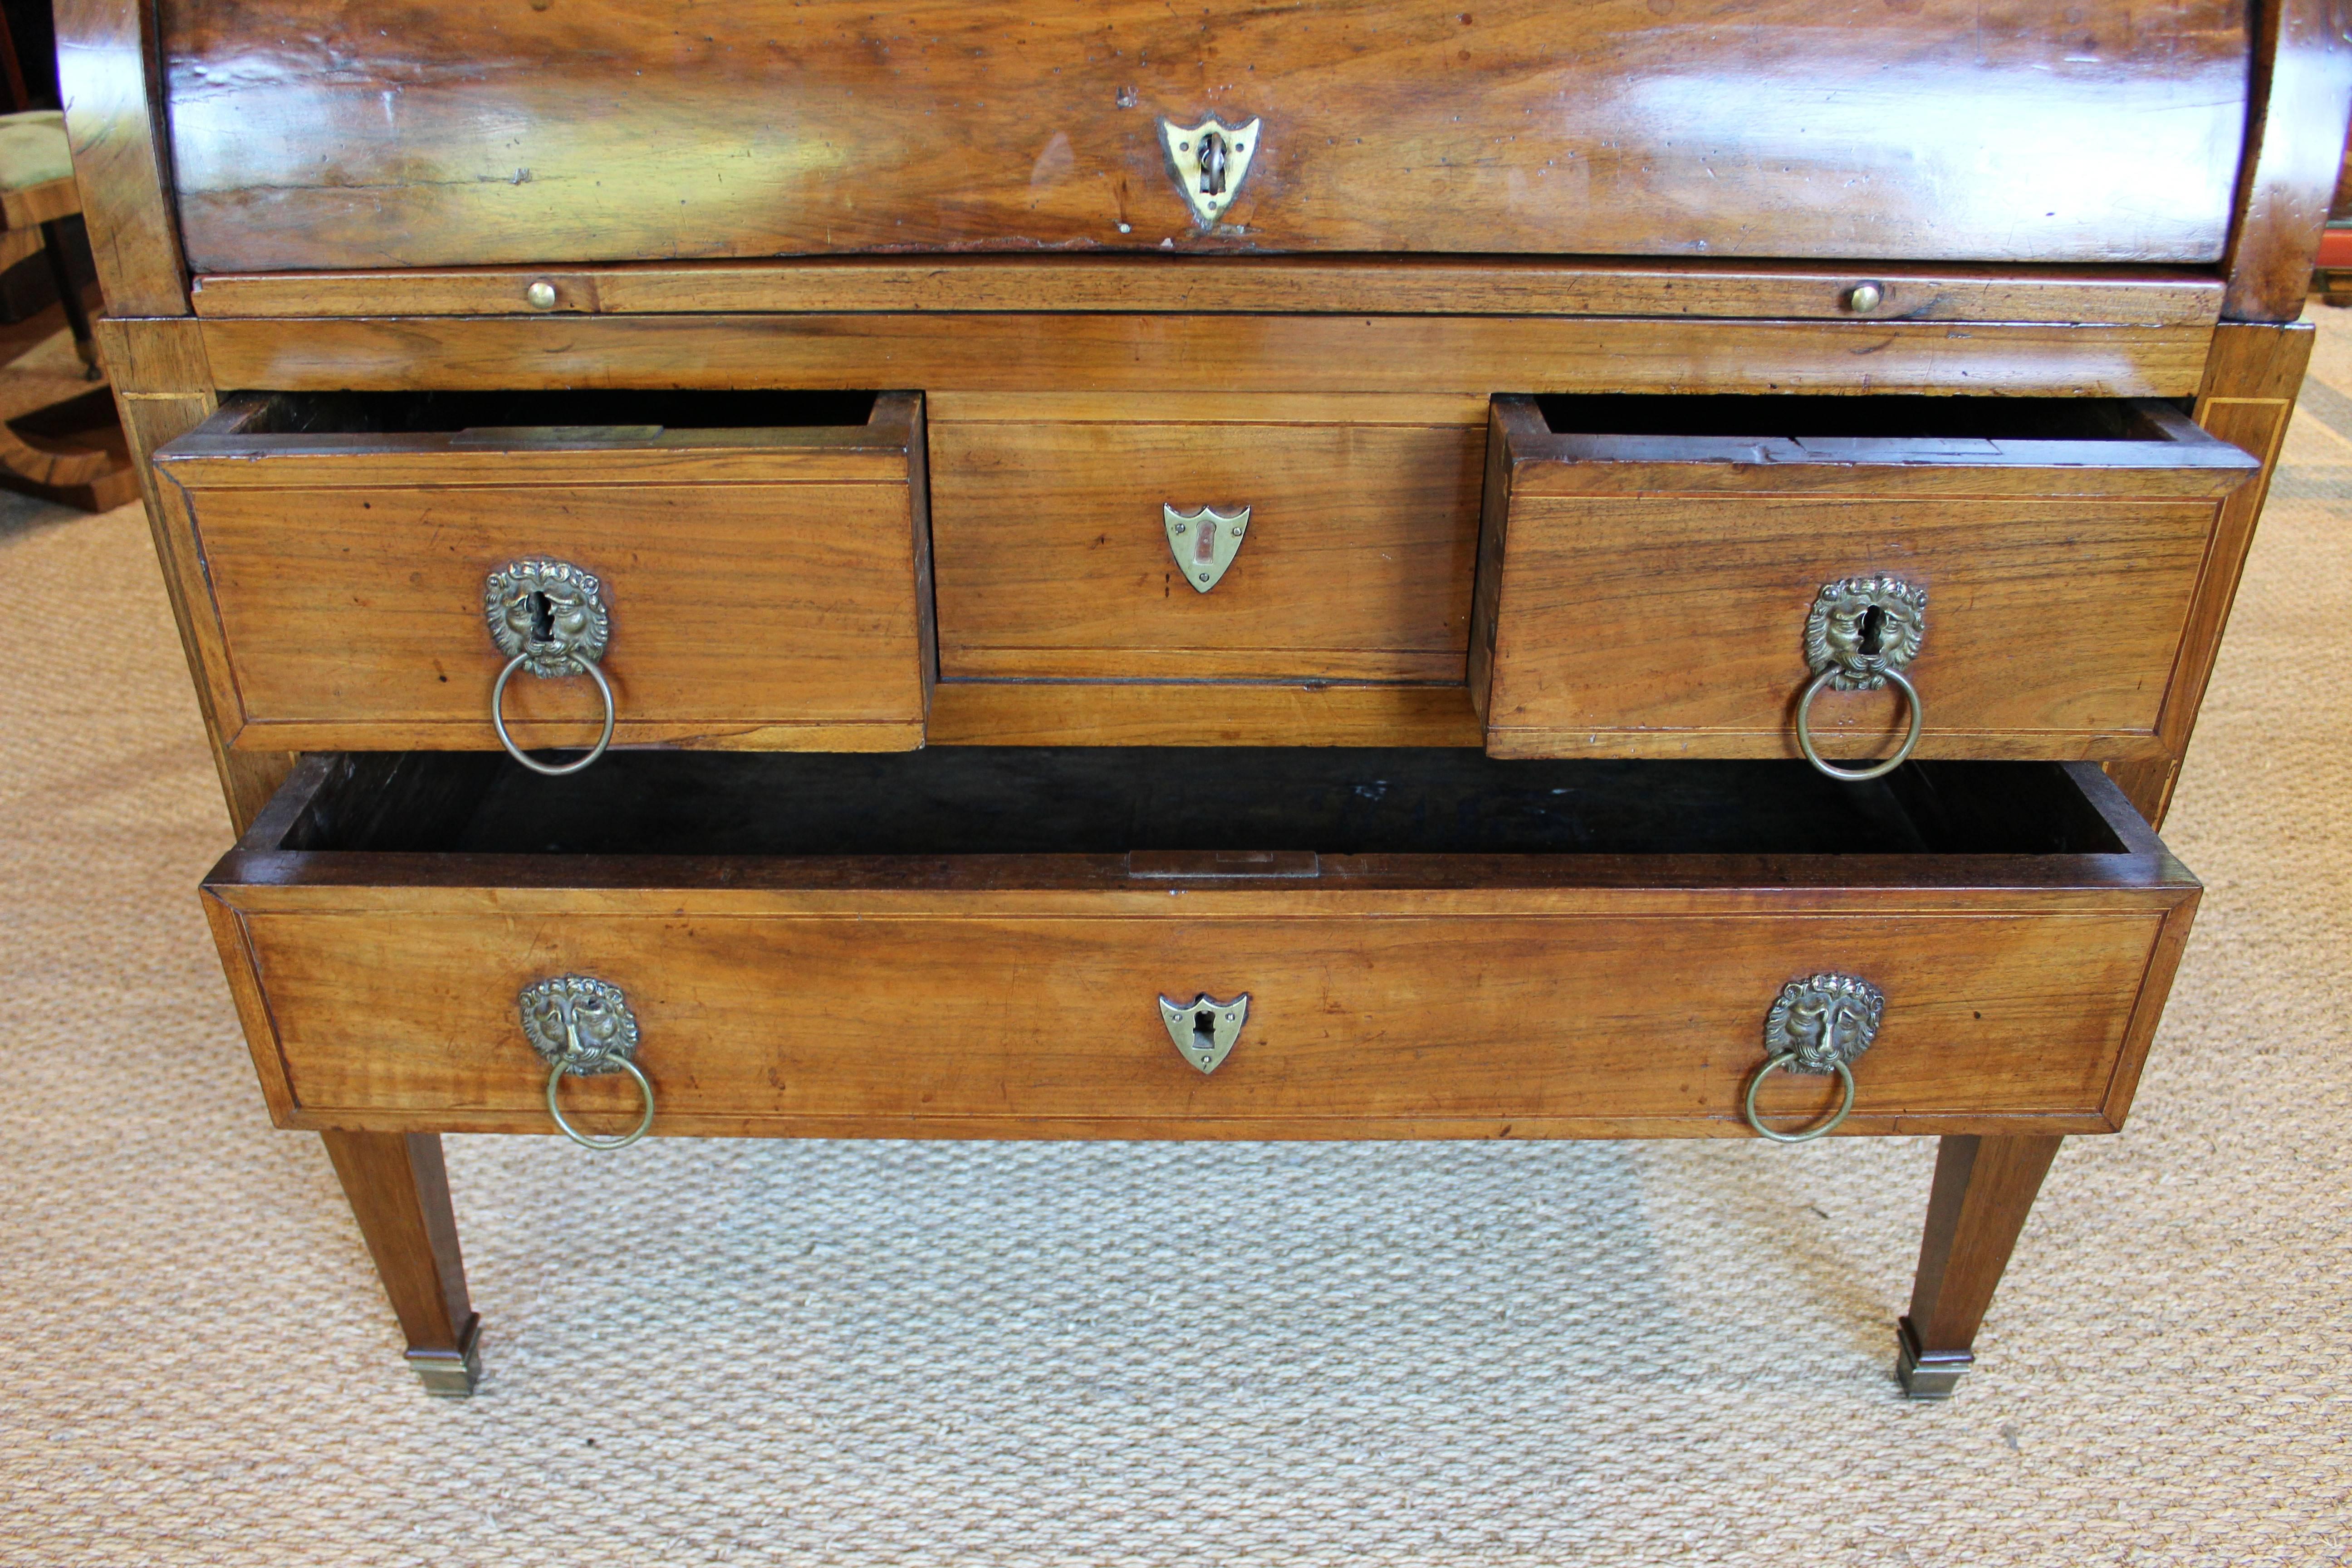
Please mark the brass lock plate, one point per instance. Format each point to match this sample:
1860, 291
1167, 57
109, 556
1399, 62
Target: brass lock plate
1204, 542
549, 614
1203, 1030
1208, 163
1859, 629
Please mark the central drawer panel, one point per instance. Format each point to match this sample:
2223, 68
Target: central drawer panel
1055, 562
972, 941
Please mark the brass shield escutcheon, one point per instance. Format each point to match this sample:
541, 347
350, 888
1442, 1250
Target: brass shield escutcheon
1204, 1029
1204, 542
1208, 162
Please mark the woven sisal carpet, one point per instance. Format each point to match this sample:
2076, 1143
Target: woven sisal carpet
1204, 1354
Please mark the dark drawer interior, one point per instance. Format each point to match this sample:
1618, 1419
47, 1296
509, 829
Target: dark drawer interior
1019, 800
1881, 417
452, 413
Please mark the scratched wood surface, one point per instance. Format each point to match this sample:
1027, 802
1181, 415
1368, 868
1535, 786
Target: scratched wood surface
1054, 563
1546, 995
308, 135
1649, 594
766, 588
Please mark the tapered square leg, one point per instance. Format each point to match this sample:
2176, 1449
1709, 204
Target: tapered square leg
1984, 1189
399, 1192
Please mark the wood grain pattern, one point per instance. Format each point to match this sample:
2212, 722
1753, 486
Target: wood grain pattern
1559, 995
763, 593
107, 67
1052, 561
2247, 399
2303, 97
1984, 1190
163, 390
1653, 591
1359, 284
29, 207
1003, 353
314, 136
1057, 713
399, 1191
1391, 1018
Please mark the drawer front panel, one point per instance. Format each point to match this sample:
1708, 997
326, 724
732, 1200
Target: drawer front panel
1684, 617
1055, 563
1523, 1019
756, 597
311, 137
1637, 606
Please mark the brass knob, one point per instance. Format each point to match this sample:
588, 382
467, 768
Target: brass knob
541, 295
1865, 297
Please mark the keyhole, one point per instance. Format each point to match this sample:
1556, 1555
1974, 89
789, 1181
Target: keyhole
542, 618
1874, 626
1204, 1030
1213, 164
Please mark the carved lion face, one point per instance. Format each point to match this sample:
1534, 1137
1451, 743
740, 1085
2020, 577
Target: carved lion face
576, 1019
1822, 1020
1863, 627
549, 613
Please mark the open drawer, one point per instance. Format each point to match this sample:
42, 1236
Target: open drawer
1675, 577
1291, 943
740, 569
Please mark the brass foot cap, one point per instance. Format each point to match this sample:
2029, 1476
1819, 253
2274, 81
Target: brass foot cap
1926, 1374
451, 1373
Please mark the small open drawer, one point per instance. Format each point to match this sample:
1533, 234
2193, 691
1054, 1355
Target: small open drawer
1668, 576
743, 569
977, 941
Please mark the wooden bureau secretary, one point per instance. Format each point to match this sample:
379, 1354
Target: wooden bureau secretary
1355, 570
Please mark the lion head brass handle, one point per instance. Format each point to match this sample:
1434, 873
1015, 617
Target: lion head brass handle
1818, 1025
584, 1027
549, 617
1860, 635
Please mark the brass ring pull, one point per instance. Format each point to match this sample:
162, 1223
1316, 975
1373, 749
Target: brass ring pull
1845, 1106
622, 1139
1817, 1025
553, 769
1878, 770
580, 1025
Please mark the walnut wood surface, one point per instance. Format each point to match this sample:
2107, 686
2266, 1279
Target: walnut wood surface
2247, 399
1405, 354
1984, 1190
1365, 285
329, 136
1053, 563
399, 1192
1059, 713
1559, 994
107, 76
2303, 96
1651, 592
161, 391
765, 586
